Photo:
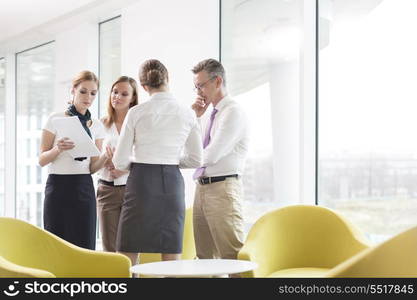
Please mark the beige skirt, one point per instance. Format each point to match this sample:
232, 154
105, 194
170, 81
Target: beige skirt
109, 206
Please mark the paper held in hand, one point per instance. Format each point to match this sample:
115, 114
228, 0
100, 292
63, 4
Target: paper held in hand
71, 128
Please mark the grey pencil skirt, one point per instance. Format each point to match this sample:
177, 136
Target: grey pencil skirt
153, 210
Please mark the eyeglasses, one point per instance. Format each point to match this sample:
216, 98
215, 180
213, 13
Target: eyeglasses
200, 86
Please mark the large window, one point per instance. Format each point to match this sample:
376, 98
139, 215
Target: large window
109, 69
2, 131
367, 123
260, 49
35, 81
110, 59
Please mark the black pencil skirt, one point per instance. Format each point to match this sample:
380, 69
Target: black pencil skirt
70, 209
153, 210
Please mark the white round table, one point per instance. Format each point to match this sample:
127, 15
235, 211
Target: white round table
194, 268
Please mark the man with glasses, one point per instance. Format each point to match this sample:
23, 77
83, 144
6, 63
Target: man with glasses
217, 213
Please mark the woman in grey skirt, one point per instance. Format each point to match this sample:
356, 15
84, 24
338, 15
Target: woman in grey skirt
158, 137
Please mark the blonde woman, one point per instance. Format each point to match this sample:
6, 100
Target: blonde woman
70, 204
112, 182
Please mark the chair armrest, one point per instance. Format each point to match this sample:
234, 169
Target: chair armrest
245, 255
12, 270
263, 253
80, 262
107, 264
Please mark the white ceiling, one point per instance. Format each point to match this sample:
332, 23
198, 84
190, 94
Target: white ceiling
18, 16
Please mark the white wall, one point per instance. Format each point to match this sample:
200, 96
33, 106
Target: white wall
293, 118
75, 50
178, 33
284, 78
307, 113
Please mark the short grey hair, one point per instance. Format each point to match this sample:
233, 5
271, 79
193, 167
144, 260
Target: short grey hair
213, 67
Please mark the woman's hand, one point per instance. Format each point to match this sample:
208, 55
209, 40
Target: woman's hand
116, 173
64, 144
110, 152
109, 156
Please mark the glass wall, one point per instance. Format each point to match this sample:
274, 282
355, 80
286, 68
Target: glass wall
35, 81
260, 43
2, 130
367, 112
110, 59
109, 70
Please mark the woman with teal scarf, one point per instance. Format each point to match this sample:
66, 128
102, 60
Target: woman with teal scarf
70, 203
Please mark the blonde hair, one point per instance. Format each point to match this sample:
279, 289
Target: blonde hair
85, 76
110, 118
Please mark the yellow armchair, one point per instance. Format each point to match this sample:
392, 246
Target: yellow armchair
29, 251
188, 245
11, 270
300, 241
396, 257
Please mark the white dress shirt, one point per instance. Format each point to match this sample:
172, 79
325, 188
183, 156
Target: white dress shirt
229, 140
64, 163
111, 138
160, 131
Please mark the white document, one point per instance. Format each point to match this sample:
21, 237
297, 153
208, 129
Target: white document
71, 128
